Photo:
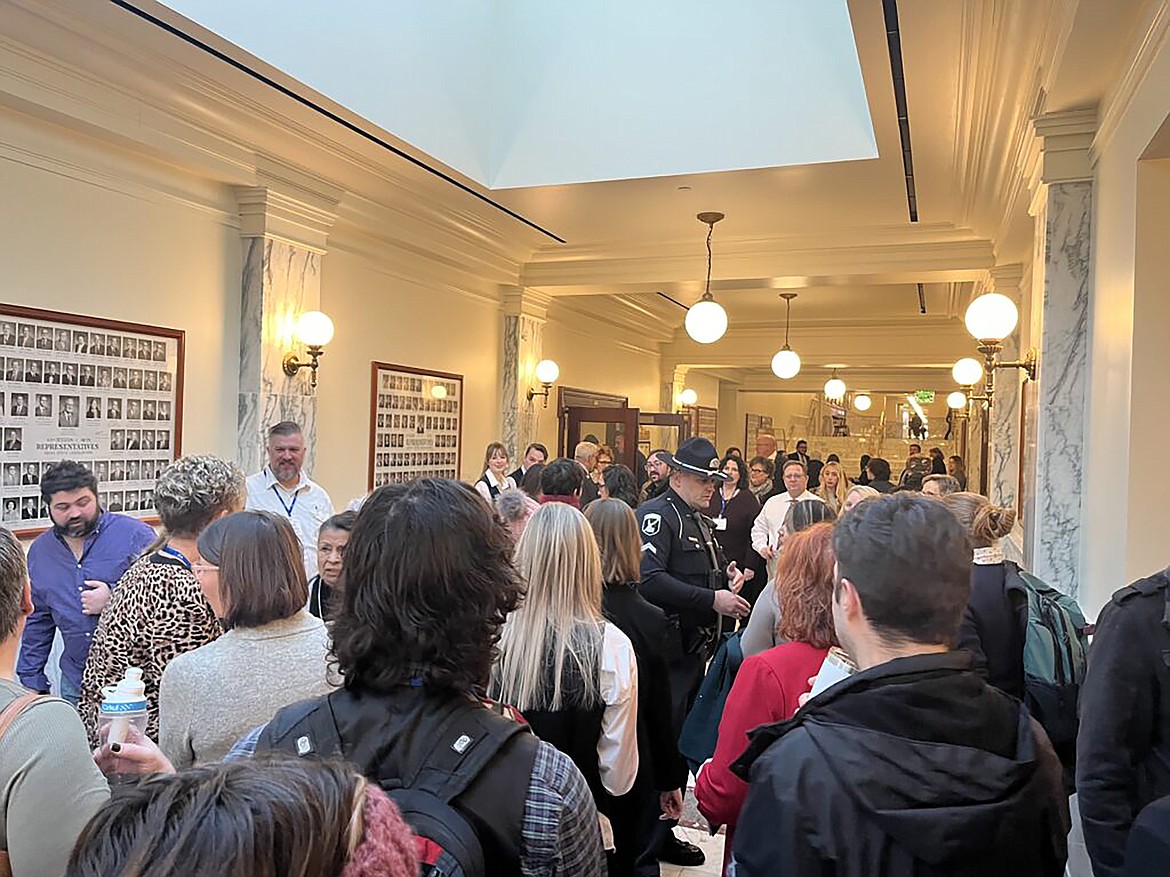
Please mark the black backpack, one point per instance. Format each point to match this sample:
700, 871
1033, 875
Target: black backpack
464, 736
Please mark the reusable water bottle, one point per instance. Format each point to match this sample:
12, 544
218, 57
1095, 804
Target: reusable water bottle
123, 705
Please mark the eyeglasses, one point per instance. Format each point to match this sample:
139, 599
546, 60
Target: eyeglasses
756, 470
203, 568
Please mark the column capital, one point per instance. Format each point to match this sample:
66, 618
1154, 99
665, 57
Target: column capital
1007, 279
288, 205
1064, 141
519, 301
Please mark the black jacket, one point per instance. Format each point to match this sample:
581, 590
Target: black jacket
649, 633
1123, 748
915, 767
995, 624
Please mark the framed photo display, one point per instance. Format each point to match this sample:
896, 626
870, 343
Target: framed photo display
104, 393
416, 422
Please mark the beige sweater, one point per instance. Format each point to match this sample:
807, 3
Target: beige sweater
212, 696
49, 785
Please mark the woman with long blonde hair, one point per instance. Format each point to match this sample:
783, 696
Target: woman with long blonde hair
834, 486
570, 672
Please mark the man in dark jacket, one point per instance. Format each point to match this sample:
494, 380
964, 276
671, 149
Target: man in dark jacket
914, 766
1123, 749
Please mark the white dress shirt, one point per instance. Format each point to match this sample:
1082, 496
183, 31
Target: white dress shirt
307, 506
501, 484
766, 529
617, 747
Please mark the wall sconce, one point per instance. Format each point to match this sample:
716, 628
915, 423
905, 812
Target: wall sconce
688, 397
314, 329
547, 372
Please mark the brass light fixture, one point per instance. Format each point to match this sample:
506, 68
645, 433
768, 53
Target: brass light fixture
314, 329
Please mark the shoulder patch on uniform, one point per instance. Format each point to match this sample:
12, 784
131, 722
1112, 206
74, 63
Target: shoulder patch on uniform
651, 524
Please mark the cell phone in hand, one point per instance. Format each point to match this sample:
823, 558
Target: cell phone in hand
836, 667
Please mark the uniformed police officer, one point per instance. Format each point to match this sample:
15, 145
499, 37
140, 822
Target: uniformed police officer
685, 573
1123, 747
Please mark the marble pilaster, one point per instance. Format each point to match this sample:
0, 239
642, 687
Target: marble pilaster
1004, 464
1065, 224
525, 313
281, 279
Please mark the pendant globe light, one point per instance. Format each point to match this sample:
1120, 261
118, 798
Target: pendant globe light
835, 388
786, 362
862, 402
706, 320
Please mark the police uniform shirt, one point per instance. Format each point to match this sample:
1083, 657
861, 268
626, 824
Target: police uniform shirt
677, 565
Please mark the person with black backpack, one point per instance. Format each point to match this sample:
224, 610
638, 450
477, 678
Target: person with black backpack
429, 581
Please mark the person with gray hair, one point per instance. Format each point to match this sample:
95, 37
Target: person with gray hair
283, 488
515, 507
939, 485
158, 610
46, 772
585, 453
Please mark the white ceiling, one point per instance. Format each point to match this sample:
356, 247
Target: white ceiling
518, 93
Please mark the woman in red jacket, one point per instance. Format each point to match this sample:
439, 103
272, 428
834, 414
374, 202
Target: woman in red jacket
768, 684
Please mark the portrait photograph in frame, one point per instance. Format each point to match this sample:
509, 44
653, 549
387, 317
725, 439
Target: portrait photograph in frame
66, 394
416, 424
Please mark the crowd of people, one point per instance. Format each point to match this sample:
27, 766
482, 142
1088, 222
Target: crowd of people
496, 677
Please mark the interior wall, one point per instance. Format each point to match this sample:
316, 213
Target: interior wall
382, 317
83, 231
1110, 407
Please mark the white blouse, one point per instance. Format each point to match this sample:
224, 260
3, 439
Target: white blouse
506, 483
617, 748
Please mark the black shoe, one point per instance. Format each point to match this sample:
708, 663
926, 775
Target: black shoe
679, 852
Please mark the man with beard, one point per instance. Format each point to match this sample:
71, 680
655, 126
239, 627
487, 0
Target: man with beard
72, 568
283, 488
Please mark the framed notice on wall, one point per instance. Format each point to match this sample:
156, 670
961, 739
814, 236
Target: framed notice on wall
754, 425
704, 422
104, 393
416, 421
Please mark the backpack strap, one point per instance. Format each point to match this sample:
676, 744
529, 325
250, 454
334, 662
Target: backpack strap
18, 706
466, 739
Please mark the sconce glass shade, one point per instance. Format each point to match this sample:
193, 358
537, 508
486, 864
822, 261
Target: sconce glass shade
967, 371
991, 317
314, 329
438, 391
957, 399
706, 321
547, 371
862, 402
786, 364
688, 396
835, 389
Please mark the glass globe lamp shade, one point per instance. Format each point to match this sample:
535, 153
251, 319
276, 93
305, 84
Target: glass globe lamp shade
957, 400
786, 364
547, 371
688, 397
862, 402
314, 329
835, 388
438, 391
706, 321
967, 371
991, 317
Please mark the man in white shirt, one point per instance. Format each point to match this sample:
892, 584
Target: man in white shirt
282, 488
766, 529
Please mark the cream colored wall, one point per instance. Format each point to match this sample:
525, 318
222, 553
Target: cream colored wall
82, 231
1110, 465
595, 356
381, 317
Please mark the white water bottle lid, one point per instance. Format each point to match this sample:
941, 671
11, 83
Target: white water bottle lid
129, 690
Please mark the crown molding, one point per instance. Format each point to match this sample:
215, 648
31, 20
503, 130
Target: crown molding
1150, 42
516, 301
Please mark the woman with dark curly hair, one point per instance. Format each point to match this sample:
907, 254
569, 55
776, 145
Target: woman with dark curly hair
617, 482
287, 817
429, 581
768, 685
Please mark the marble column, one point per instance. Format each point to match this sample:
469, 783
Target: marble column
281, 279
1062, 205
1004, 464
525, 313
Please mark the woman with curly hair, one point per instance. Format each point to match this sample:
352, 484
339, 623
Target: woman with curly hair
768, 685
158, 610
289, 817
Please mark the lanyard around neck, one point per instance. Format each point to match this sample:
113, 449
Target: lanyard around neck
175, 554
288, 508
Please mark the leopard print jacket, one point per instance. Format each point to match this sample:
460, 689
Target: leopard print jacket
156, 612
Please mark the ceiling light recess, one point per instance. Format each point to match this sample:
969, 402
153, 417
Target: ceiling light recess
706, 320
786, 362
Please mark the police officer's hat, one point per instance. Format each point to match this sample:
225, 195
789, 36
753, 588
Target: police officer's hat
697, 456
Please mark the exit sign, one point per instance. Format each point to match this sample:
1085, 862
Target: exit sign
925, 397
